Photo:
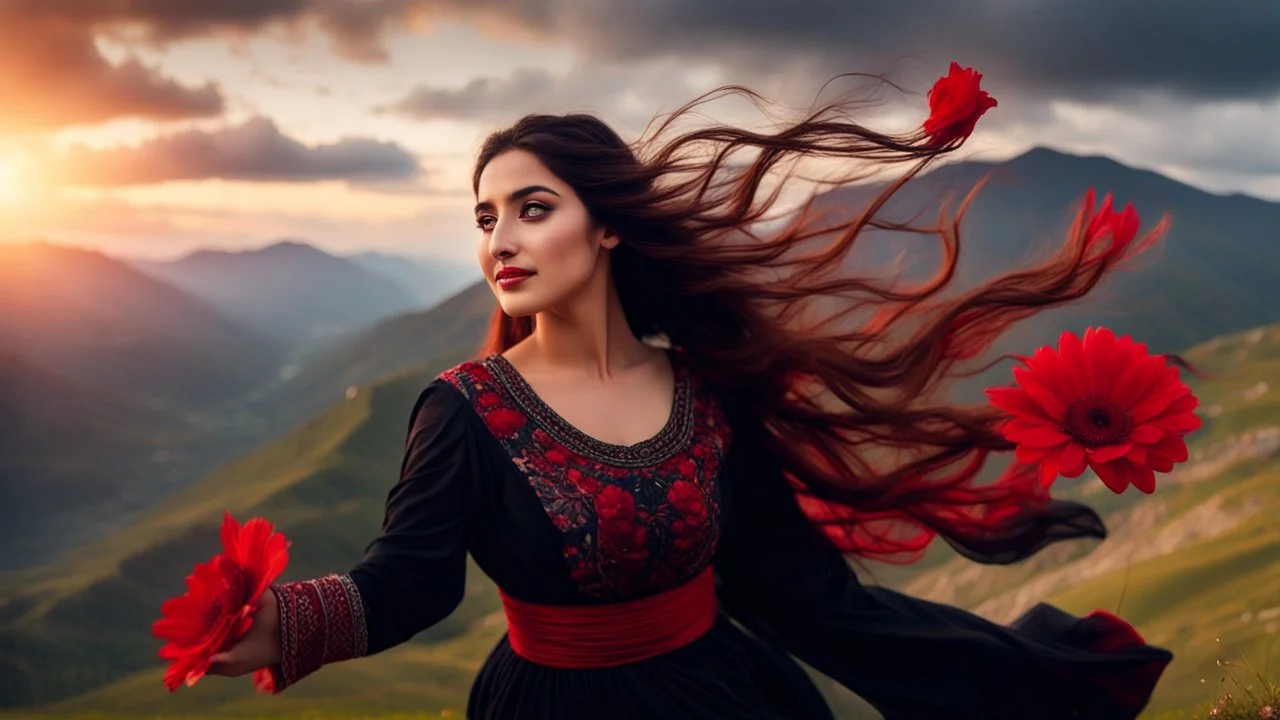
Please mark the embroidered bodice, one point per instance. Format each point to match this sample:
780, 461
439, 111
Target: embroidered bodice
635, 519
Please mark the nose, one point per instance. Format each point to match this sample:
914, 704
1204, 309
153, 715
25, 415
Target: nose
501, 241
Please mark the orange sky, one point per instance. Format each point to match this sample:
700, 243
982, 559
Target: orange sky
353, 124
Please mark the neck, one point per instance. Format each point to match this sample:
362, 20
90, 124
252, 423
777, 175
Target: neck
589, 333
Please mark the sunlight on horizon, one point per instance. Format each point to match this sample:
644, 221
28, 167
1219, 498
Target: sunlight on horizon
10, 182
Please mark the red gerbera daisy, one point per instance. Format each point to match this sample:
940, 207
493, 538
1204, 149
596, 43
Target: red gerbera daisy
221, 599
1102, 402
956, 102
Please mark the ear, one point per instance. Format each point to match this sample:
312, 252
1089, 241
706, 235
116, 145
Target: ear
609, 239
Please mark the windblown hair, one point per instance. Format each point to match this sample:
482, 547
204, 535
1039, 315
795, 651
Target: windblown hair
838, 377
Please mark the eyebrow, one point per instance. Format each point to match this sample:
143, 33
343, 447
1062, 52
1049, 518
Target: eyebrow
518, 194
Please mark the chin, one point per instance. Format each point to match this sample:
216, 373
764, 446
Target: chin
518, 307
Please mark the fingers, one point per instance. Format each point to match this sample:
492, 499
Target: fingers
224, 664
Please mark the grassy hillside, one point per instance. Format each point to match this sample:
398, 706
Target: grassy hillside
1199, 560
439, 337
52, 496
324, 485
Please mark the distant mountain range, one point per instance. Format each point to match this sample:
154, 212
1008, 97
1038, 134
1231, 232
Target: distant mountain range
101, 323
299, 296
116, 386
1214, 272
428, 280
442, 336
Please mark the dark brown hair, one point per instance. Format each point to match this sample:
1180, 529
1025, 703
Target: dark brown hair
838, 377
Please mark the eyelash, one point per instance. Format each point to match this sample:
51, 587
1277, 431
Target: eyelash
527, 206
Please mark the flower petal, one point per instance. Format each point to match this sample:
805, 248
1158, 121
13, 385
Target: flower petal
1110, 475
1108, 453
1145, 434
1042, 396
1016, 401
1049, 470
1159, 399
1073, 461
1035, 435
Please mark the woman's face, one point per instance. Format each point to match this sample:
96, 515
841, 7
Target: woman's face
538, 247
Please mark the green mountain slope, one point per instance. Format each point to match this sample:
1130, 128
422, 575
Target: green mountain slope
1197, 560
324, 485
439, 337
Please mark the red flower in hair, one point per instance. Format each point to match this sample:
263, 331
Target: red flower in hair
1103, 403
221, 599
1121, 226
956, 101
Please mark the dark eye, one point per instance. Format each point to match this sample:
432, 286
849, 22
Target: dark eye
484, 222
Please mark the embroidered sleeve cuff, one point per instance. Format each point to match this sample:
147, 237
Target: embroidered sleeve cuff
322, 621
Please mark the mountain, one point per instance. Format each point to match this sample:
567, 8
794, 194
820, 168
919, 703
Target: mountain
1196, 565
324, 485
296, 294
442, 336
71, 457
96, 320
1213, 273
428, 280
1198, 559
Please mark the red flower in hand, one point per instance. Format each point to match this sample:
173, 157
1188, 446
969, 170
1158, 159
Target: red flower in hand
955, 104
221, 599
1102, 402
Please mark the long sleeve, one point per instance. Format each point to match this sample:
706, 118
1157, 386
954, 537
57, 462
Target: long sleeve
908, 657
413, 573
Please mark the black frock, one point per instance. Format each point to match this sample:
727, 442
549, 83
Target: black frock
556, 517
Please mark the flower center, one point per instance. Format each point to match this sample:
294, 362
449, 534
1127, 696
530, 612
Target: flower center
1094, 421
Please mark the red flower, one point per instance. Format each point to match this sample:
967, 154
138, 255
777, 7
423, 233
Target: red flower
955, 104
221, 599
1104, 403
1121, 226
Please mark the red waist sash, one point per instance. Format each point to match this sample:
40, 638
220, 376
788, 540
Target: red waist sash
595, 636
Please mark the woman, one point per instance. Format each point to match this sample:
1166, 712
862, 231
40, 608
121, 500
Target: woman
669, 526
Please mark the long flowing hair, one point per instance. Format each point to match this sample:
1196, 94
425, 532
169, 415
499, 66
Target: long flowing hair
837, 376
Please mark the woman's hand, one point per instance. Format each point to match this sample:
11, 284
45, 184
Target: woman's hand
259, 648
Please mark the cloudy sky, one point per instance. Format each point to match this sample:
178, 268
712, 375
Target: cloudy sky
152, 127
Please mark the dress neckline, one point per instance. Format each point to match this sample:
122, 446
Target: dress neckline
673, 436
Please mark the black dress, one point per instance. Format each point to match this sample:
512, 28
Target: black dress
556, 517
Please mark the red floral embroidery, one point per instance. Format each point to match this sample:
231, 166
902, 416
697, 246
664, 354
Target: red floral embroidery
635, 520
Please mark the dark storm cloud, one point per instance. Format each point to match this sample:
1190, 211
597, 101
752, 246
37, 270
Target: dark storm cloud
254, 151
1071, 47
1226, 48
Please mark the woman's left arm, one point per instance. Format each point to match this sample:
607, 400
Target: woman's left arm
908, 657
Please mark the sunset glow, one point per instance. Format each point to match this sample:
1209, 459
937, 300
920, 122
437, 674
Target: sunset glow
10, 182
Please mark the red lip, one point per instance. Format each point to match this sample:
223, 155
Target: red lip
511, 273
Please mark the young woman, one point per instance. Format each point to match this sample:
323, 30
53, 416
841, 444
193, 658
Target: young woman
679, 430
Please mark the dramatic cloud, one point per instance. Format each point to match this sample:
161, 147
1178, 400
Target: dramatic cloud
1071, 47
1065, 47
629, 95
52, 75
254, 151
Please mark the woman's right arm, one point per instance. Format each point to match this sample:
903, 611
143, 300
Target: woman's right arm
412, 574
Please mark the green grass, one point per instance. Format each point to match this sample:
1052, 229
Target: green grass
325, 484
